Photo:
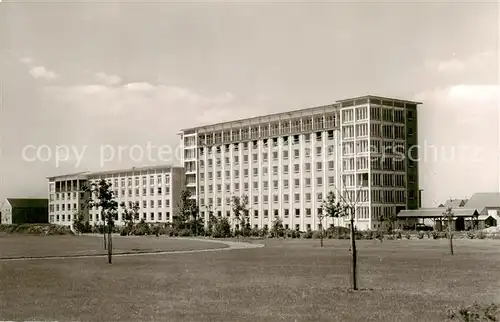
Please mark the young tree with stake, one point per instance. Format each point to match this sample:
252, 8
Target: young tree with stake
105, 201
321, 216
344, 206
448, 214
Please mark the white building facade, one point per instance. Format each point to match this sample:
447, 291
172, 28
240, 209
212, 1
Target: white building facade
156, 189
287, 163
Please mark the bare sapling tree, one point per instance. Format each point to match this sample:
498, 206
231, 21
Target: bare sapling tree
104, 200
344, 205
448, 214
321, 216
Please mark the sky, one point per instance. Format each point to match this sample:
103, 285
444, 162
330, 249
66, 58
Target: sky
83, 81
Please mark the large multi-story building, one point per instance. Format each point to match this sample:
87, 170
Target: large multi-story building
364, 149
157, 189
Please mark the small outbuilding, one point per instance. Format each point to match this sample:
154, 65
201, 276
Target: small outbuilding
25, 211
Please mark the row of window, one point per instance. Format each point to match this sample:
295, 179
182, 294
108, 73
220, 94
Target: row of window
361, 213
160, 180
264, 170
152, 217
265, 156
137, 192
266, 130
256, 185
265, 199
64, 207
66, 196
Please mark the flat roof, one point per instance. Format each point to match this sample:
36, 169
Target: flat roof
76, 174
380, 98
308, 109
436, 213
252, 118
133, 169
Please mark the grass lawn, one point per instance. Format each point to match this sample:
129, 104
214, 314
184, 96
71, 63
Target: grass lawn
14, 246
288, 280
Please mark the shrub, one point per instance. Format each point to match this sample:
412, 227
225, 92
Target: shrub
408, 236
390, 237
185, 232
398, 235
316, 234
429, 234
221, 229
435, 235
420, 235
480, 235
470, 235
255, 232
476, 312
306, 235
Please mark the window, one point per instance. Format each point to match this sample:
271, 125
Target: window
319, 197
285, 198
255, 200
307, 167
319, 166
308, 182
297, 213
297, 183
308, 212
296, 168
318, 151
285, 155
275, 155
296, 198
275, 198
296, 153
319, 181
275, 170
265, 199
308, 197
285, 169
285, 183
255, 185
307, 152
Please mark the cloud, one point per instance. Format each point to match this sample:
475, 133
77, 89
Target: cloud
139, 86
26, 60
42, 72
462, 93
108, 79
479, 61
138, 101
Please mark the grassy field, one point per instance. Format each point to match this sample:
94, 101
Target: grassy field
15, 246
288, 280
